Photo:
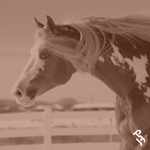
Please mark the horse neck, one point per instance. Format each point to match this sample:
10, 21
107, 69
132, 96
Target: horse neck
106, 73
114, 70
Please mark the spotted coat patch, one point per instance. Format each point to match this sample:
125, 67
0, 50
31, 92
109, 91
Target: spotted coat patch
138, 65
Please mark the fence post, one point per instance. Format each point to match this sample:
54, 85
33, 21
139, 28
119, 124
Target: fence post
47, 128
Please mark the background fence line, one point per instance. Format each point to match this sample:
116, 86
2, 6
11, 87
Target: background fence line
47, 131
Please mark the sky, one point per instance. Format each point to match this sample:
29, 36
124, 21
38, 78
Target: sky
16, 39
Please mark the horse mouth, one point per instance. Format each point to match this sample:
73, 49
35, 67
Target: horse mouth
30, 102
32, 96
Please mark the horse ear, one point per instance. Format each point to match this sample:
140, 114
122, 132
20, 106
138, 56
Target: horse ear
38, 24
50, 24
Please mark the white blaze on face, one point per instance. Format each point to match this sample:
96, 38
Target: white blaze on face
39, 64
138, 65
27, 76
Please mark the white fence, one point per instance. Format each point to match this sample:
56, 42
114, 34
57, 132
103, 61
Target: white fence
47, 131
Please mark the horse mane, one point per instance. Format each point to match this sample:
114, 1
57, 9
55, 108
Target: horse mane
84, 54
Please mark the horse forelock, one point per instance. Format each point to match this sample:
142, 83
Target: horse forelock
84, 54
70, 49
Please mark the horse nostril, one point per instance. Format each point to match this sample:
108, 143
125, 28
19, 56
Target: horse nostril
18, 93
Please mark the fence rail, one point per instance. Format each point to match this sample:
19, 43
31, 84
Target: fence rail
47, 131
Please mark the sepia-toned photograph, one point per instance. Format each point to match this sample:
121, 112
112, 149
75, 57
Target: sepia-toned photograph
74, 75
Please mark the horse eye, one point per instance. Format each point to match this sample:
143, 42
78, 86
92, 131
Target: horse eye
44, 55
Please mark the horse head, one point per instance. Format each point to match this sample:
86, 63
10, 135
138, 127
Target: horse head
45, 70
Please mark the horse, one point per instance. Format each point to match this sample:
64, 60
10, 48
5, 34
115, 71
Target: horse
114, 50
